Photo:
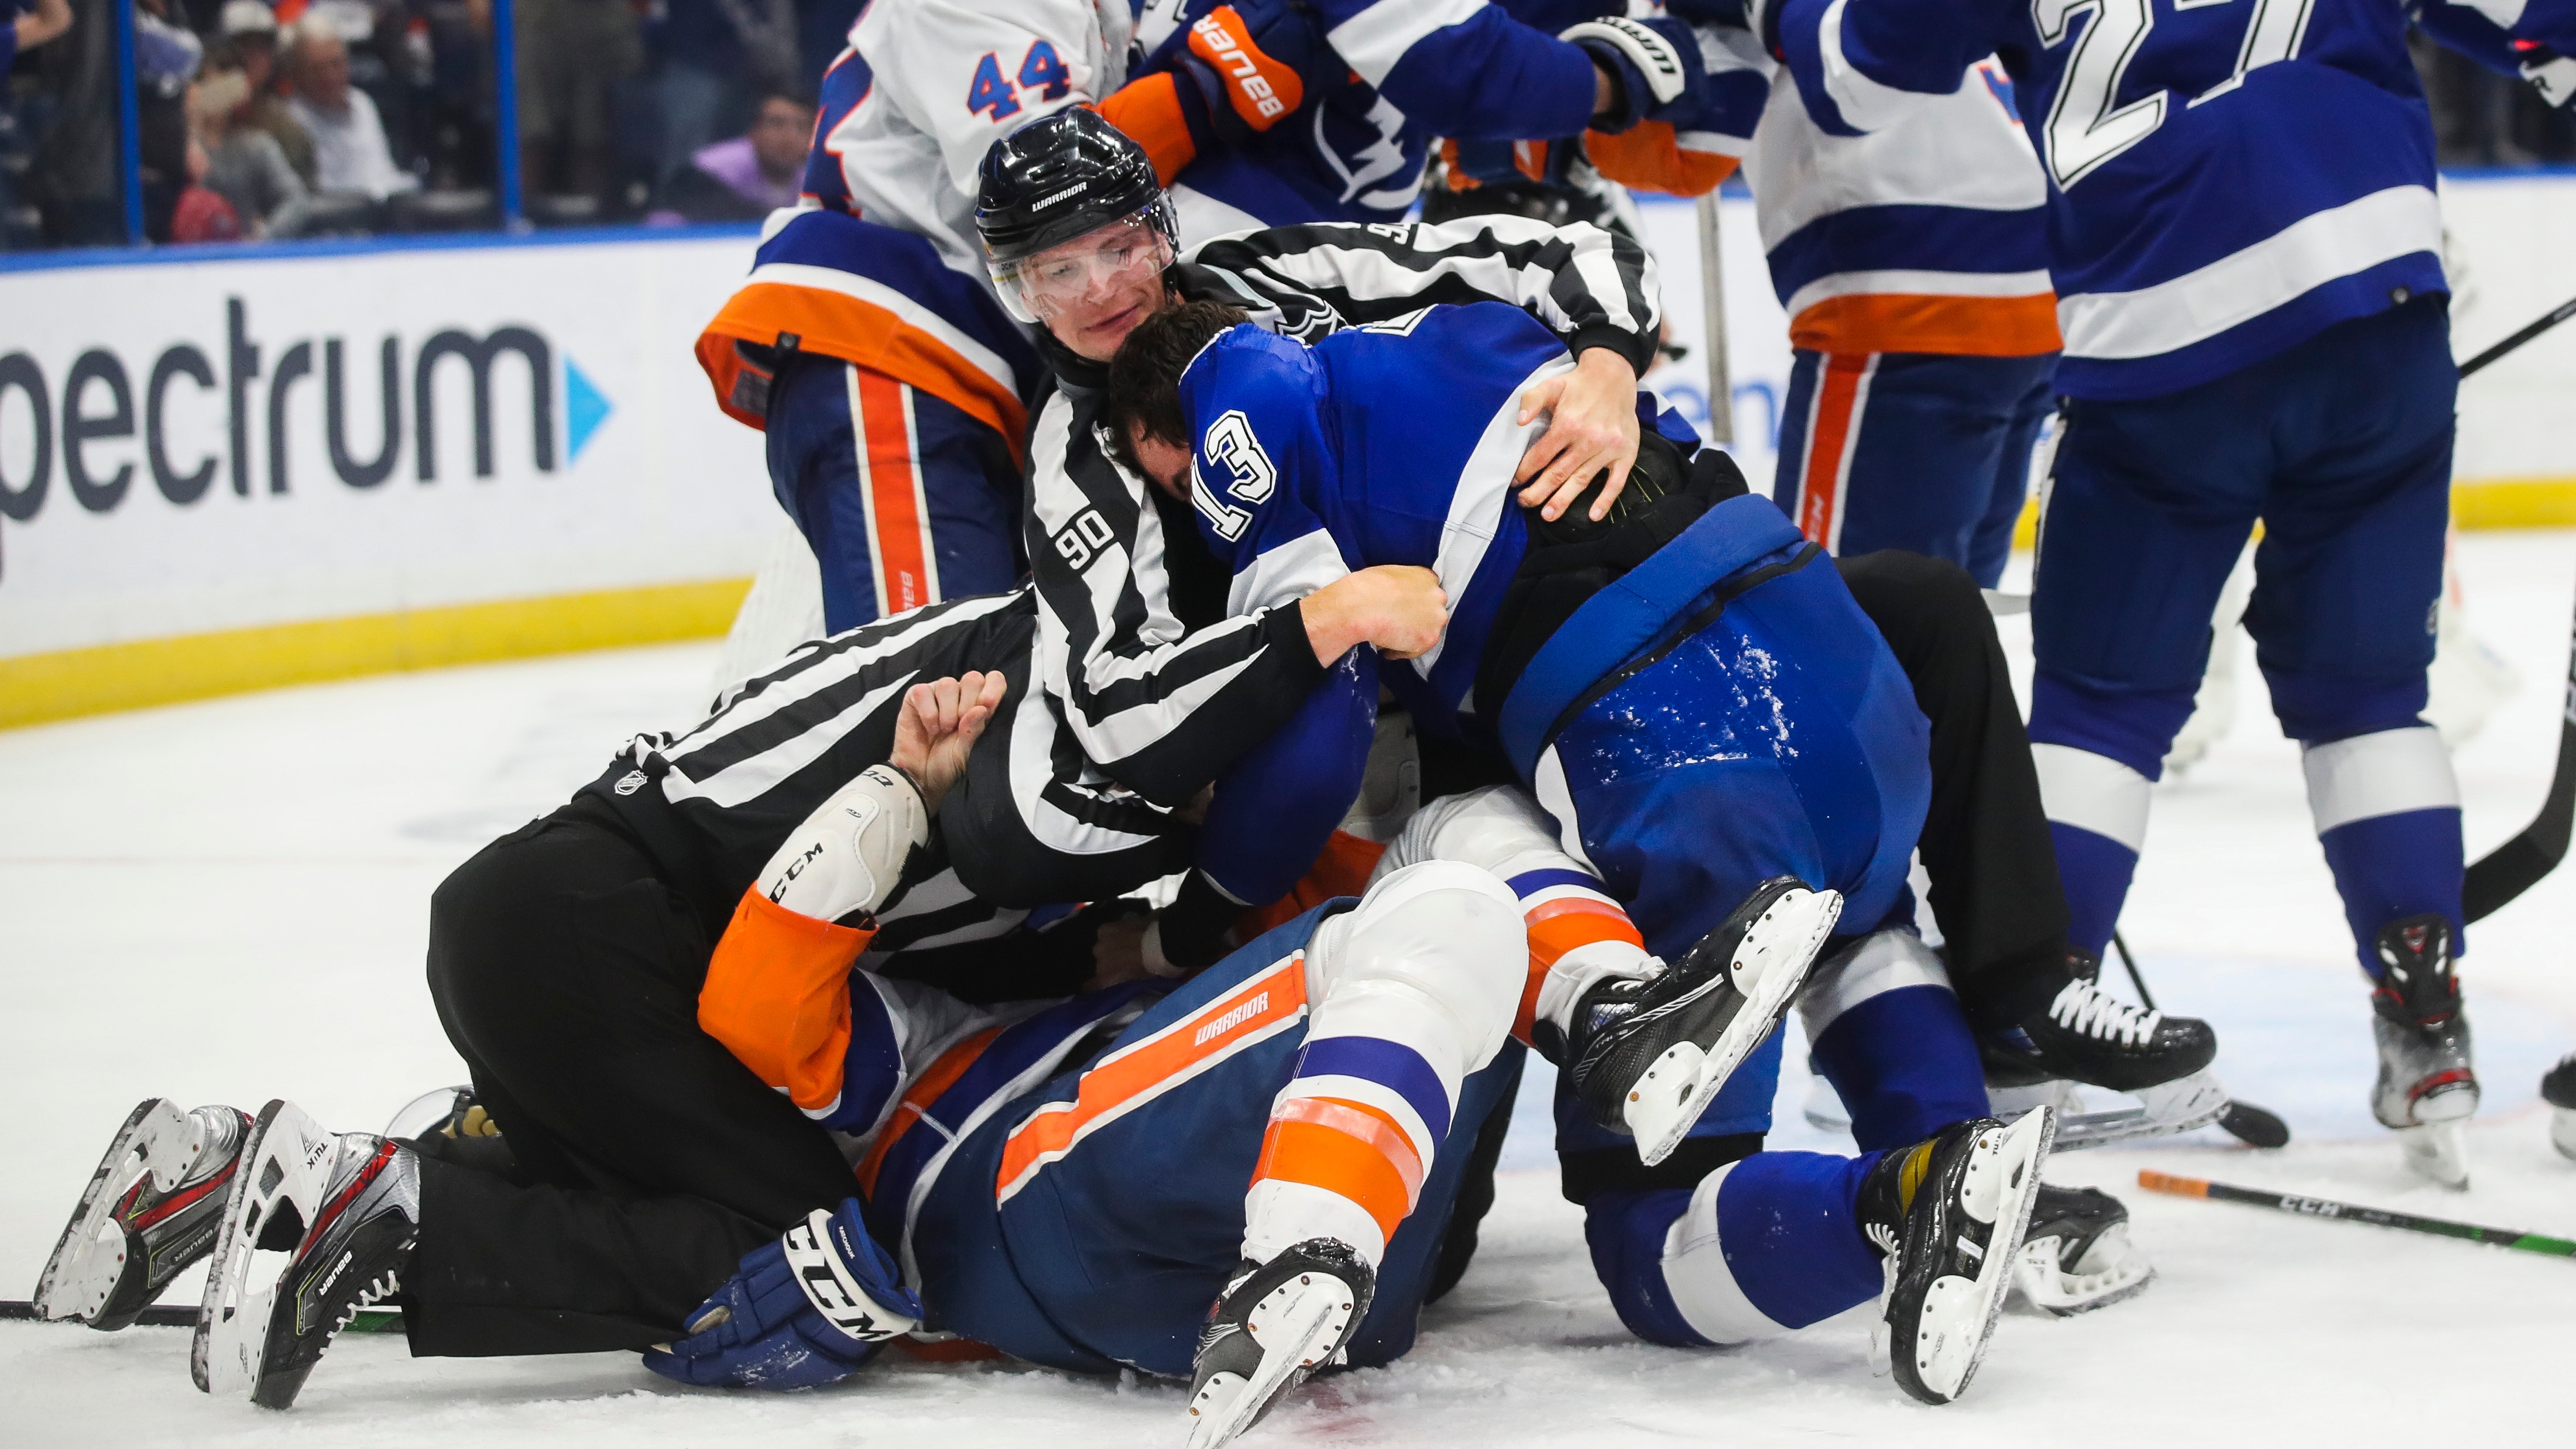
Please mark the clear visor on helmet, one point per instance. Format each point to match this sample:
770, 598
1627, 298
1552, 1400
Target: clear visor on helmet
1096, 265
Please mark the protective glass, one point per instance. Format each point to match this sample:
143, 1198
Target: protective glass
1055, 280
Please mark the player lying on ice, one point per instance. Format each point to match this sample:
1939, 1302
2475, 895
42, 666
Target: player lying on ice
1066, 1182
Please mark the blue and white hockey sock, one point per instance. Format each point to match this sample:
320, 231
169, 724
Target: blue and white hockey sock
1885, 1028
2387, 811
2099, 755
1762, 1246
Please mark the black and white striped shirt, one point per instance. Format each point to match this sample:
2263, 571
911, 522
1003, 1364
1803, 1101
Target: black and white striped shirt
1157, 684
712, 803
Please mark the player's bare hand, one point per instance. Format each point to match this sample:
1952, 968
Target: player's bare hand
1594, 428
938, 728
1400, 608
1118, 953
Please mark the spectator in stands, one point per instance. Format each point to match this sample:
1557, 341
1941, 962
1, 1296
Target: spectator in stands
718, 57
243, 164
202, 215
751, 175
571, 53
251, 27
24, 26
349, 149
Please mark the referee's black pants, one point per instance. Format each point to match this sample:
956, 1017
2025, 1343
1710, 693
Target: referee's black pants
642, 1159
1985, 841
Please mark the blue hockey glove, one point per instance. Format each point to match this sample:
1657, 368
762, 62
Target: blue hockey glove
1656, 62
804, 1311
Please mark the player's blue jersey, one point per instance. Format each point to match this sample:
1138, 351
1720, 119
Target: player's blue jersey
1419, 69
1388, 444
2226, 177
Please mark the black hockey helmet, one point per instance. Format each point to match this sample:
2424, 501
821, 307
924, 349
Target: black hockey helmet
1057, 178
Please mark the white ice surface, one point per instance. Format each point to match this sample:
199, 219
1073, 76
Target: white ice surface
227, 901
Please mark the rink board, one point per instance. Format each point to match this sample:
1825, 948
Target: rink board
198, 493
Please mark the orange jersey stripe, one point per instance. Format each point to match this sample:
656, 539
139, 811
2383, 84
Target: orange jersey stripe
942, 1075
1909, 322
854, 330
1339, 1163
1136, 1074
907, 576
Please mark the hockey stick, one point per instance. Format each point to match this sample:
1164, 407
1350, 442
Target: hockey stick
2561, 313
2247, 1123
181, 1315
2518, 864
1712, 289
2319, 1207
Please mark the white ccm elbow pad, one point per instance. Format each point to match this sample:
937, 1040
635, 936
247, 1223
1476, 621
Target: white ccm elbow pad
849, 855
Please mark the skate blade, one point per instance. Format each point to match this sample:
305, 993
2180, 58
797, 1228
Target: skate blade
2063, 1293
1959, 1314
2438, 1150
1777, 952
2562, 1131
285, 1168
89, 1259
1297, 1331
2183, 1105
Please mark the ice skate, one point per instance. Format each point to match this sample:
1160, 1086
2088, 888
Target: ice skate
1278, 1322
2427, 1088
1950, 1213
2558, 1089
2077, 1256
1647, 1055
318, 1226
148, 1213
2087, 1035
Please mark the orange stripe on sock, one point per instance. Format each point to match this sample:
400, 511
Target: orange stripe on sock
1336, 1160
898, 533
1135, 1074
1559, 926
942, 1075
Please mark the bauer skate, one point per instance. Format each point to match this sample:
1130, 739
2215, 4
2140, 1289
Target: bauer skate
2558, 1089
149, 1212
1277, 1323
1950, 1213
1648, 1054
318, 1226
2076, 1255
2427, 1088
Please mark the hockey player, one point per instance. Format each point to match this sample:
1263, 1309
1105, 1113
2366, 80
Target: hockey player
1161, 688
2246, 245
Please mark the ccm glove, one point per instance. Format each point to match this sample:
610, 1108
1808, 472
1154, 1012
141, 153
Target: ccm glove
1656, 64
804, 1311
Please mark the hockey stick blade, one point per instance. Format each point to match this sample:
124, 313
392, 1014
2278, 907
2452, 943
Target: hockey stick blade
184, 1315
2319, 1207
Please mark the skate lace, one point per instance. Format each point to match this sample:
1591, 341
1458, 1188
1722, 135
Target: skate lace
2082, 1008
1885, 1237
